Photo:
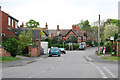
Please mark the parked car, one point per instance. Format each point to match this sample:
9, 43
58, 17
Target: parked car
62, 50
42, 50
82, 46
54, 51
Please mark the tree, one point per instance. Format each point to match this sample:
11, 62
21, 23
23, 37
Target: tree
32, 23
84, 25
111, 21
25, 39
110, 30
55, 40
72, 39
11, 45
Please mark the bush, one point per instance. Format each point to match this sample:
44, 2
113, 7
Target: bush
66, 46
75, 46
27, 55
11, 45
108, 46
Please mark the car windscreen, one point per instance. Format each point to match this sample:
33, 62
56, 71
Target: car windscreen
54, 48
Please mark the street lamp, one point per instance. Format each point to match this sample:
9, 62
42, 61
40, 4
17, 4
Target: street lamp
99, 35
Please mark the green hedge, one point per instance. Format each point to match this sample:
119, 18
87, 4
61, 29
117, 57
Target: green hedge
75, 46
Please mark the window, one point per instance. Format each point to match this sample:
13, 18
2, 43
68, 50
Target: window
9, 21
16, 24
2, 34
12, 23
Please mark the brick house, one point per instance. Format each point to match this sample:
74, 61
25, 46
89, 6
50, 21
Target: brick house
65, 33
7, 22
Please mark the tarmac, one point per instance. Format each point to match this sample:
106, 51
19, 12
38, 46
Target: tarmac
22, 61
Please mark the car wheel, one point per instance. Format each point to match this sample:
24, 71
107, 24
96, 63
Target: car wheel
58, 55
64, 52
50, 55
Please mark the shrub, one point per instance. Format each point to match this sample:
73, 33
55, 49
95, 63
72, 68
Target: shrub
108, 46
27, 55
75, 46
11, 45
66, 46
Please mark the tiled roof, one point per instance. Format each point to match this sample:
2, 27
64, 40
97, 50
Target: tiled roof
35, 32
45, 31
63, 32
52, 31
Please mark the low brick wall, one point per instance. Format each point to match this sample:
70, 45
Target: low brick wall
3, 52
33, 52
118, 48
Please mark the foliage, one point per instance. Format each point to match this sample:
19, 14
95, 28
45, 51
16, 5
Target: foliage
55, 40
111, 21
49, 42
25, 39
89, 42
11, 45
75, 46
84, 25
72, 39
66, 46
32, 23
60, 41
108, 46
110, 30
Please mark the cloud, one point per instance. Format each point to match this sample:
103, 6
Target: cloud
62, 12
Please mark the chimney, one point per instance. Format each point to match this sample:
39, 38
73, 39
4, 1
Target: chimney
58, 28
22, 26
74, 27
46, 26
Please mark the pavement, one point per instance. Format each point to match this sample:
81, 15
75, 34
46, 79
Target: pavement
92, 57
23, 61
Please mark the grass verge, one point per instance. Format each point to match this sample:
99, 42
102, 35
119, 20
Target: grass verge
7, 58
112, 58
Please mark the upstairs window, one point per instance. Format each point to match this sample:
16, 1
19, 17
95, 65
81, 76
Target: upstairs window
9, 21
12, 23
16, 24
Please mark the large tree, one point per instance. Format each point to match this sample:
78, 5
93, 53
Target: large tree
32, 23
110, 30
72, 39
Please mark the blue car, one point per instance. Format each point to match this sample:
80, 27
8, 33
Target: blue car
54, 51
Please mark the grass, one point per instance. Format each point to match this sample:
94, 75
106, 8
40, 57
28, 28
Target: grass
112, 58
7, 58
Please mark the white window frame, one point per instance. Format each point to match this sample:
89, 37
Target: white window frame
12, 23
9, 20
16, 24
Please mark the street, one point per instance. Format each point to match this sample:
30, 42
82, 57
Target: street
70, 65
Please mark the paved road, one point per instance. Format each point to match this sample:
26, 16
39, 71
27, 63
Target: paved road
70, 65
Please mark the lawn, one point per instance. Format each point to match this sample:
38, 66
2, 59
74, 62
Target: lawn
8, 58
112, 58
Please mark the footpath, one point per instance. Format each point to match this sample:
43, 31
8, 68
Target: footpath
92, 57
22, 61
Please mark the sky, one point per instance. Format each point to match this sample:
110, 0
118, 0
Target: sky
64, 13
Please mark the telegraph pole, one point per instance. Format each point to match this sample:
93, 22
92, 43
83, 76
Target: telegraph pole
99, 35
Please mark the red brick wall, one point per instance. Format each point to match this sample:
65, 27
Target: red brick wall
5, 25
118, 48
0, 21
4, 52
33, 52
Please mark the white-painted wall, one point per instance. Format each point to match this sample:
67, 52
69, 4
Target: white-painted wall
44, 45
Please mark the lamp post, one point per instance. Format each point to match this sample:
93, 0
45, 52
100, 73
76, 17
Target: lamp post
99, 35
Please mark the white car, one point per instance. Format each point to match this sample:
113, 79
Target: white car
62, 50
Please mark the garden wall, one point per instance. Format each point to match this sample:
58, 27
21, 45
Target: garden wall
3, 52
33, 51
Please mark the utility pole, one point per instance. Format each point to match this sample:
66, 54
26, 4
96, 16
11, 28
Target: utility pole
99, 35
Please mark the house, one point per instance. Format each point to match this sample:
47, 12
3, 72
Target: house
7, 22
65, 33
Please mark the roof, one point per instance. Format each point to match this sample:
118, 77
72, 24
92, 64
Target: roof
10, 16
63, 32
52, 31
45, 31
35, 32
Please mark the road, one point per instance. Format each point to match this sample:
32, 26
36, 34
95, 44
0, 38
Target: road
70, 65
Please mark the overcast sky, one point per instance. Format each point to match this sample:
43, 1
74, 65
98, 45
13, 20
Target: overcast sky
60, 12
